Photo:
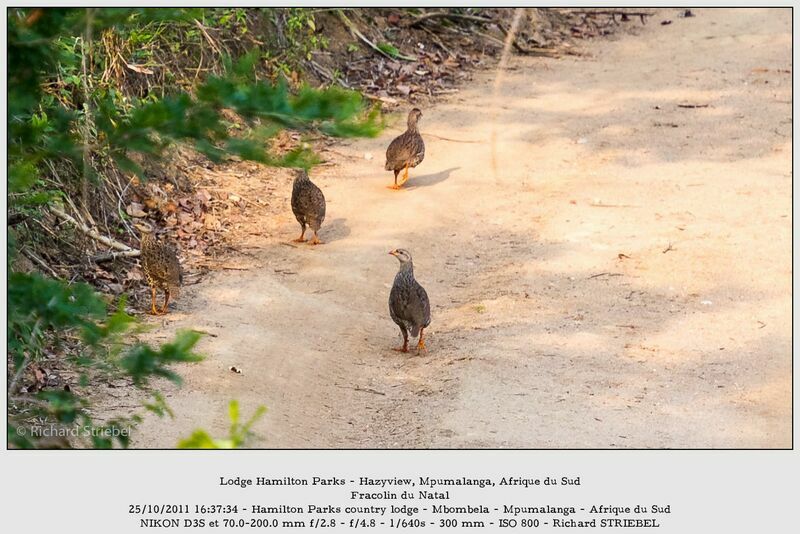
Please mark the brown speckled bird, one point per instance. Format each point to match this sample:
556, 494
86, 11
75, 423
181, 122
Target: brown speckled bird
160, 265
406, 151
409, 306
308, 206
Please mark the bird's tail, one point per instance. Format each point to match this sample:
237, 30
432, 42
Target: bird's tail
414, 331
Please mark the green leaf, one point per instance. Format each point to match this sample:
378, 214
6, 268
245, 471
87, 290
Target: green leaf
238, 434
198, 440
21, 176
389, 49
233, 414
159, 406
142, 362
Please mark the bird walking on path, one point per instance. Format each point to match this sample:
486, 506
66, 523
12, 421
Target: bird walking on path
160, 265
308, 206
406, 151
409, 306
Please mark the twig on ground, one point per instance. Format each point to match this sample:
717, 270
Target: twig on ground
447, 15
604, 274
208, 37
669, 247
449, 139
326, 73
491, 38
204, 332
439, 42
94, 234
384, 99
598, 205
230, 267
108, 256
342, 154
365, 390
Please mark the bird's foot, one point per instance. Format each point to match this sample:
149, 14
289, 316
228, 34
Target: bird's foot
316, 241
299, 240
404, 178
394, 187
401, 349
421, 347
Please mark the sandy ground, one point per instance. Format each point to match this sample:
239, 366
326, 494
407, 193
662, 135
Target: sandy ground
622, 280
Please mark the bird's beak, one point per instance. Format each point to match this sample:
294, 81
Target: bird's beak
393, 253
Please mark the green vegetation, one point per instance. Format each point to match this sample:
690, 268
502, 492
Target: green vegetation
90, 93
237, 435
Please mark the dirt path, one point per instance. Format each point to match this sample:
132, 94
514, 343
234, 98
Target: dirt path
543, 333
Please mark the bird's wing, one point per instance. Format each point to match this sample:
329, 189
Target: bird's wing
400, 150
319, 202
423, 307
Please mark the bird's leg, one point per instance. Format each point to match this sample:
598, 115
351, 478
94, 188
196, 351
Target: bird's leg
404, 348
421, 344
153, 300
405, 177
302, 238
315, 240
395, 186
166, 301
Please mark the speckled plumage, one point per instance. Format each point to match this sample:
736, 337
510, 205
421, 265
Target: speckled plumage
409, 306
161, 267
407, 150
308, 205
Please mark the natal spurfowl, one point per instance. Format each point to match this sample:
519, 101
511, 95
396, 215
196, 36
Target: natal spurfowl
408, 302
160, 266
407, 150
308, 206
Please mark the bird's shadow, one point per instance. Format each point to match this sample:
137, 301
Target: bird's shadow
335, 230
428, 180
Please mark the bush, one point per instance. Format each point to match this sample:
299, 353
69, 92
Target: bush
62, 114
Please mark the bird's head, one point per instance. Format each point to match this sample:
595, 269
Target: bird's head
301, 174
402, 255
414, 116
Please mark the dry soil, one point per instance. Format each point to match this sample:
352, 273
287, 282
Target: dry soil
613, 271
